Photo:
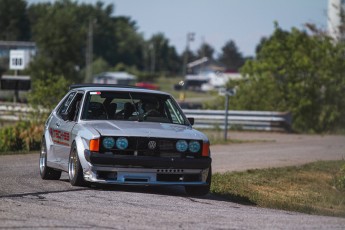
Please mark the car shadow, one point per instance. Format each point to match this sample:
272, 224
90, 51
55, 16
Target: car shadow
167, 191
172, 191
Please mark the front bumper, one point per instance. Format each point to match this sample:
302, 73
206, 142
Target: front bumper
136, 170
147, 162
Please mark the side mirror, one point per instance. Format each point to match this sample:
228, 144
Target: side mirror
191, 120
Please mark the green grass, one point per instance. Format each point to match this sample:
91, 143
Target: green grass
315, 188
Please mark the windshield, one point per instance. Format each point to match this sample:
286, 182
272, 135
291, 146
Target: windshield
109, 105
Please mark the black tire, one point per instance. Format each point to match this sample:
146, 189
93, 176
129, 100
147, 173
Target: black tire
75, 171
200, 190
46, 172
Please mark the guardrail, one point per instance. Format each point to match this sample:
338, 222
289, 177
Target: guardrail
17, 111
242, 120
204, 119
13, 111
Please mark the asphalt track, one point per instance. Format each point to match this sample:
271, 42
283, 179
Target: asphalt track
27, 202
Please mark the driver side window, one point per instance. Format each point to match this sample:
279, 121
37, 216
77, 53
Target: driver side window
69, 109
64, 106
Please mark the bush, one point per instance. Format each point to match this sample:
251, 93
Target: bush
9, 139
48, 92
23, 136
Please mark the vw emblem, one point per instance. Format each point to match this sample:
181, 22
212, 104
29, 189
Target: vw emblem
152, 145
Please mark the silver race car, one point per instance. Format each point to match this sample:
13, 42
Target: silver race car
124, 135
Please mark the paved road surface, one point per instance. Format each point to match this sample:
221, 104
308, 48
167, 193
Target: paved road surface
275, 150
30, 203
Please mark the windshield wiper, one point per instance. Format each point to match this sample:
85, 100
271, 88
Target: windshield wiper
136, 110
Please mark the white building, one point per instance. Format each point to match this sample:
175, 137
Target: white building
210, 81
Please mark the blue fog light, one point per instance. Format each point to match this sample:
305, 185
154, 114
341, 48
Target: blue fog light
122, 143
108, 142
194, 146
181, 145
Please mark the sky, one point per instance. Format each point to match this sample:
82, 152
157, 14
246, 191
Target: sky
218, 21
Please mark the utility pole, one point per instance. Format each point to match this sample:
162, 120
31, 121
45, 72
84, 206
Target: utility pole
190, 38
153, 57
203, 53
89, 50
226, 116
227, 93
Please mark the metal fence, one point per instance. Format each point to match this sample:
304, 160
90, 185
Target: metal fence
241, 120
13, 111
204, 119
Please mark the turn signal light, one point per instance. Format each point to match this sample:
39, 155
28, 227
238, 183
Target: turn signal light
94, 145
205, 149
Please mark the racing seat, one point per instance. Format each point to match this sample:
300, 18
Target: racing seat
96, 111
112, 111
128, 110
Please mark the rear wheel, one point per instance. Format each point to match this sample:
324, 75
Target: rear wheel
46, 172
75, 171
200, 190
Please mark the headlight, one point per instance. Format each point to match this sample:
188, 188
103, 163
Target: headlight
181, 145
122, 143
108, 142
194, 146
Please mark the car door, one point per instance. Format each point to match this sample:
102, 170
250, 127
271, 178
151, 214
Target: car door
55, 130
63, 124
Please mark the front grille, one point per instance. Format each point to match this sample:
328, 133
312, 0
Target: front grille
147, 153
140, 146
166, 145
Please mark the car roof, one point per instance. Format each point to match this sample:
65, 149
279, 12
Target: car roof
114, 87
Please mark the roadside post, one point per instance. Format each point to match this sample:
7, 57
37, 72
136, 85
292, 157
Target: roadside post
227, 93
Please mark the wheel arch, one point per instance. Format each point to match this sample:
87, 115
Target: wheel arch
49, 145
81, 145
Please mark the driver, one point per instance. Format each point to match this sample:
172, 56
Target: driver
151, 107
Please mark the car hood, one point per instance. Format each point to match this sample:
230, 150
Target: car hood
145, 129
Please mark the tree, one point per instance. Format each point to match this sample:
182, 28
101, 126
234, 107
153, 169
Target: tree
161, 56
14, 22
191, 56
231, 57
300, 73
258, 47
205, 50
129, 43
60, 42
99, 19
48, 90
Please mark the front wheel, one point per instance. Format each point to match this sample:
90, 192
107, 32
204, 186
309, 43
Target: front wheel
200, 190
46, 172
75, 171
